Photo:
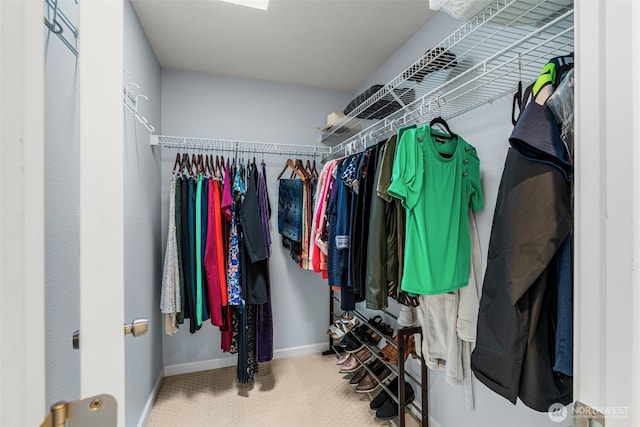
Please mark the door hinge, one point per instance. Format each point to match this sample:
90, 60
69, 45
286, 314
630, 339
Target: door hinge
96, 411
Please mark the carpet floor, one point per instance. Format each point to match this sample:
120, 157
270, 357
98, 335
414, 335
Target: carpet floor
296, 391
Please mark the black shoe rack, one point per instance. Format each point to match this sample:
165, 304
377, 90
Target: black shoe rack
399, 369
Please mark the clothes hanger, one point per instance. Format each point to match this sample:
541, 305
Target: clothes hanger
302, 169
290, 165
186, 165
177, 163
440, 121
199, 164
314, 170
212, 170
207, 169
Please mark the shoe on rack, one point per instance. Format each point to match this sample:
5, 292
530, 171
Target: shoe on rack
389, 409
363, 355
350, 344
370, 338
354, 346
373, 366
369, 383
383, 396
343, 325
350, 365
342, 358
357, 377
390, 352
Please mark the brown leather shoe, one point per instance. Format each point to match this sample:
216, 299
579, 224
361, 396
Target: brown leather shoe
373, 366
363, 355
357, 377
367, 384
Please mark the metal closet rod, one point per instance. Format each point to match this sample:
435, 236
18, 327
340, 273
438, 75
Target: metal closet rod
238, 146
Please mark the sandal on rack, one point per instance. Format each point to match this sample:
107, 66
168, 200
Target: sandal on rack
380, 325
370, 337
389, 352
342, 326
410, 348
345, 317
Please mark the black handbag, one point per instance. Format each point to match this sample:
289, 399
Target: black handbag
383, 107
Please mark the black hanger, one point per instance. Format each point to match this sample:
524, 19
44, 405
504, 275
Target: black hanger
520, 99
440, 121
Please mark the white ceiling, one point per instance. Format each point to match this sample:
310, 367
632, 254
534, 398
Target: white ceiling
333, 44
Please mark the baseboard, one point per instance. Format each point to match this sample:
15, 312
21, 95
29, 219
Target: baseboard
418, 416
204, 365
302, 350
225, 362
152, 397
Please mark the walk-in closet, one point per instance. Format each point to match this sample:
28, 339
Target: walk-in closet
320, 213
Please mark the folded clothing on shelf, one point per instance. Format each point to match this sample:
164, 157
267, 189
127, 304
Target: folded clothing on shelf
384, 106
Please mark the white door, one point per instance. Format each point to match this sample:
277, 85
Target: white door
607, 298
22, 327
22, 331
100, 137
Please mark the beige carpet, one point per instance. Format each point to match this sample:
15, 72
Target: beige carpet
298, 391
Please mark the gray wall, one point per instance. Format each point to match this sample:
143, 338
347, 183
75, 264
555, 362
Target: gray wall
488, 129
142, 250
62, 271
202, 105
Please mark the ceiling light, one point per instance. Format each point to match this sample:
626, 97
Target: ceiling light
257, 4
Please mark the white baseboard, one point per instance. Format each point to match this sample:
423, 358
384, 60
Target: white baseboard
152, 397
225, 362
302, 350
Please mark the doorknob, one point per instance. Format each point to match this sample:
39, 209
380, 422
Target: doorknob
136, 328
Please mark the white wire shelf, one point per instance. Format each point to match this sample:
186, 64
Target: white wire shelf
509, 41
238, 146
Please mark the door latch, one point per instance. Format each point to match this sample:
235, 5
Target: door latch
136, 328
96, 411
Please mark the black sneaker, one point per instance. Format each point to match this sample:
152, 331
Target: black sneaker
389, 409
350, 344
383, 396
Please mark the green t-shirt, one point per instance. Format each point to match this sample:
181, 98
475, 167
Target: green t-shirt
437, 181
